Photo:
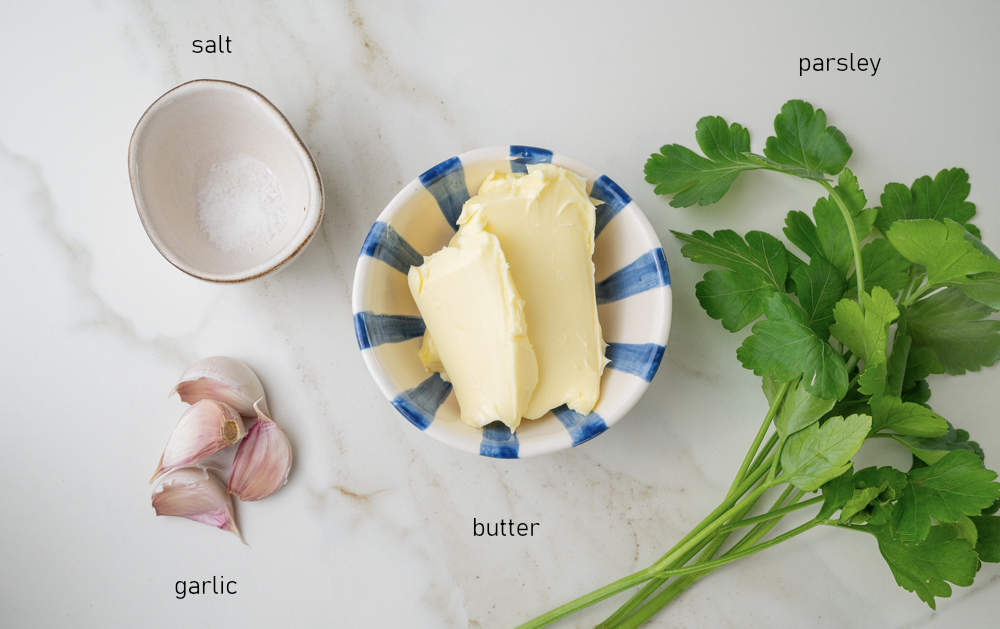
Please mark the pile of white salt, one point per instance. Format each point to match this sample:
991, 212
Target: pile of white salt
239, 203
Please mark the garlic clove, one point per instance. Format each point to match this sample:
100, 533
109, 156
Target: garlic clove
262, 461
195, 494
224, 379
205, 428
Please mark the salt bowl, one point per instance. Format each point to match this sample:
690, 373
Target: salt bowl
223, 185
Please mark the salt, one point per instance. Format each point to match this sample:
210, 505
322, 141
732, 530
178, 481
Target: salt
240, 207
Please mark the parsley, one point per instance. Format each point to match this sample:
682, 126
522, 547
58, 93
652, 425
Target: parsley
926, 567
955, 330
955, 485
820, 453
848, 318
756, 268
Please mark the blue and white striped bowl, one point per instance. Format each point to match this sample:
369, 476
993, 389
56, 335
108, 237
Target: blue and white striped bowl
633, 296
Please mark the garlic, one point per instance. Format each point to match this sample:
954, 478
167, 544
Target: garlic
195, 494
262, 461
204, 429
224, 379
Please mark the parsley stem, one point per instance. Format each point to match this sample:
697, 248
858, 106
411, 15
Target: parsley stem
710, 545
761, 456
750, 465
779, 396
691, 542
727, 505
647, 611
728, 558
770, 515
914, 282
588, 599
758, 456
747, 501
917, 294
855, 245
773, 472
683, 582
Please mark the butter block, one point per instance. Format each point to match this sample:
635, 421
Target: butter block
475, 315
544, 221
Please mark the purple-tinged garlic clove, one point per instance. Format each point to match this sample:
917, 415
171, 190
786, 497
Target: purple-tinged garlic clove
223, 379
262, 461
205, 428
195, 494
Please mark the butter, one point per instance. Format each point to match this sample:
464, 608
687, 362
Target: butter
544, 222
474, 313
428, 355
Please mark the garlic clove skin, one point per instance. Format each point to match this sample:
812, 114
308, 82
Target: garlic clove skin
223, 379
205, 428
195, 494
262, 461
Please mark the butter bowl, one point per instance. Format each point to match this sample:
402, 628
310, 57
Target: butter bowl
224, 187
632, 289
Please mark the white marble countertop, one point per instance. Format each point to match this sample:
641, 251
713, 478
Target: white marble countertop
374, 527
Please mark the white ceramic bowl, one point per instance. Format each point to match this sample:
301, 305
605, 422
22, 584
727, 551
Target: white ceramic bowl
633, 294
178, 140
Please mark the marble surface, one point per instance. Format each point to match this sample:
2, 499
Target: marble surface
374, 527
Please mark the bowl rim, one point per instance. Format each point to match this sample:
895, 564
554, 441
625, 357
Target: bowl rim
548, 443
292, 249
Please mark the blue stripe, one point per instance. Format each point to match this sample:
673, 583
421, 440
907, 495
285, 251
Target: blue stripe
521, 156
374, 329
580, 427
385, 244
498, 441
419, 405
612, 198
446, 182
642, 359
646, 272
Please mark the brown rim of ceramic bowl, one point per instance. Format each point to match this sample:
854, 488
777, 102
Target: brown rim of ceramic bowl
312, 163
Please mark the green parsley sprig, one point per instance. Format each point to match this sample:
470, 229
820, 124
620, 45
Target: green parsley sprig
846, 327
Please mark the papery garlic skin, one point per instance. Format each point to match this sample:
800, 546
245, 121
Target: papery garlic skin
262, 461
223, 379
195, 494
205, 428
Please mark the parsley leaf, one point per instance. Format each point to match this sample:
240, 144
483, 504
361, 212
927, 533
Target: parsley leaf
836, 493
828, 236
818, 285
694, 179
940, 198
866, 333
988, 537
803, 140
820, 453
905, 418
945, 249
859, 500
954, 328
787, 348
919, 393
920, 363
884, 267
757, 268
737, 300
896, 363
800, 409
953, 486
983, 287
932, 450
925, 568
874, 489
